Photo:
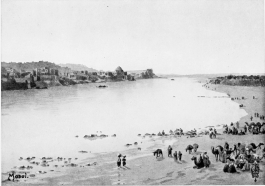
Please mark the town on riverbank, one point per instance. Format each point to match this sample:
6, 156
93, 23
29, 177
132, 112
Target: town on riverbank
43, 74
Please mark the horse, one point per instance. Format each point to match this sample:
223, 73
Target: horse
158, 152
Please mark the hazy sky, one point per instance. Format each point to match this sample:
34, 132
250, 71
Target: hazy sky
180, 36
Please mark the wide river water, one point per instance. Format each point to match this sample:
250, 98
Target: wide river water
45, 122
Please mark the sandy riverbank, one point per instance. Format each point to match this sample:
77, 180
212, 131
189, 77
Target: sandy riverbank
144, 168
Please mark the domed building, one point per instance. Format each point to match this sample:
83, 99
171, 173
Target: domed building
120, 74
118, 69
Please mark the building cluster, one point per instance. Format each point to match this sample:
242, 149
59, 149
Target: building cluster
47, 73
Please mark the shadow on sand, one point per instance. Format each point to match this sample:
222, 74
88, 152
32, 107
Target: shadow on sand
160, 158
125, 168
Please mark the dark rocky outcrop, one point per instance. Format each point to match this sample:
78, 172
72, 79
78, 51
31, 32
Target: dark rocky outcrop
240, 80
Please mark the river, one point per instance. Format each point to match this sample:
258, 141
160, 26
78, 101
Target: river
45, 122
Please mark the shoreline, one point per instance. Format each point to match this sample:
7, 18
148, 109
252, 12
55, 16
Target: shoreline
61, 82
144, 168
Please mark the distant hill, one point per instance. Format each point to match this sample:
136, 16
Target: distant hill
28, 66
78, 67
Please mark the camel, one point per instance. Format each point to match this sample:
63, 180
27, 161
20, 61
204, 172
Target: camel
230, 131
253, 146
158, 152
189, 148
241, 133
217, 151
212, 134
198, 164
195, 147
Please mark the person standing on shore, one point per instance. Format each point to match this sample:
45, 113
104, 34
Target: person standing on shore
237, 124
169, 150
175, 155
124, 161
119, 161
251, 118
226, 146
245, 128
206, 160
180, 155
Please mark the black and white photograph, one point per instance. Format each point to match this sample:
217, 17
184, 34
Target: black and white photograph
132, 92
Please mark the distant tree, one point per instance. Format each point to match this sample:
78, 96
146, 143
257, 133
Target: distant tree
230, 77
3, 70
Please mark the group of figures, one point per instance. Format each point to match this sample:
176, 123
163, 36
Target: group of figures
241, 157
200, 162
257, 115
177, 155
121, 161
176, 132
254, 128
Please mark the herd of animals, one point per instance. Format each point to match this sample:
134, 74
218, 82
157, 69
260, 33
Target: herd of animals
240, 156
254, 128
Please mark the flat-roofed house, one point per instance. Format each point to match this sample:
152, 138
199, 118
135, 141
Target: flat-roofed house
71, 75
54, 72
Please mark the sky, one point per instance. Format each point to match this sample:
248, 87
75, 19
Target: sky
169, 36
